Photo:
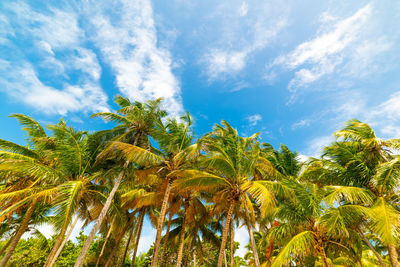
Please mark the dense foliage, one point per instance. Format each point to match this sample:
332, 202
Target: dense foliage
342, 209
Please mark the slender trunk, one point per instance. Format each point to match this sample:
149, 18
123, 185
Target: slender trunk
104, 244
232, 244
393, 255
181, 240
127, 246
58, 252
160, 224
99, 221
225, 234
372, 248
138, 233
21, 230
226, 262
57, 244
194, 259
323, 256
117, 244
253, 243
189, 248
166, 240
6, 245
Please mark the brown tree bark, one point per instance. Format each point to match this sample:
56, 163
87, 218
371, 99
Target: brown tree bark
225, 234
166, 240
182, 239
127, 246
104, 244
232, 245
59, 250
160, 224
138, 233
393, 255
99, 221
21, 230
372, 248
253, 243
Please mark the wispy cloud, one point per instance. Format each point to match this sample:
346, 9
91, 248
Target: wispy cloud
254, 119
128, 42
58, 54
320, 56
300, 124
243, 33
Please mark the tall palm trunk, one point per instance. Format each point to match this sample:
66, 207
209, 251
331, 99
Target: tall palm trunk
372, 248
105, 243
138, 233
127, 246
226, 262
58, 252
393, 255
225, 233
117, 244
253, 243
323, 256
166, 240
99, 221
182, 239
160, 224
232, 245
21, 230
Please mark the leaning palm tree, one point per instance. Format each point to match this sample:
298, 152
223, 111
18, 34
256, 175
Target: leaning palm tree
232, 163
175, 153
21, 169
135, 123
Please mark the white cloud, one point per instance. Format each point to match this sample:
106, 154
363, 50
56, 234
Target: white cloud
337, 40
244, 9
60, 54
128, 42
300, 124
242, 34
316, 145
241, 236
254, 119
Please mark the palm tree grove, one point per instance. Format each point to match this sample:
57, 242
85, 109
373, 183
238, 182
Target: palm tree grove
339, 209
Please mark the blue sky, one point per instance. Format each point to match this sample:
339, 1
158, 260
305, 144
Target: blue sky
292, 70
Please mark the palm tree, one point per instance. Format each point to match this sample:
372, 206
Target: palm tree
135, 123
232, 162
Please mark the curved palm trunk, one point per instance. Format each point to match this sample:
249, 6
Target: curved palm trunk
138, 233
181, 241
118, 241
253, 243
166, 240
127, 246
225, 234
104, 244
393, 255
21, 230
160, 224
99, 221
58, 252
232, 246
226, 262
372, 249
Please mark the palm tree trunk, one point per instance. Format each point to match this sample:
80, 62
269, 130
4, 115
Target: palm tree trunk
6, 245
105, 243
58, 252
372, 248
117, 243
21, 230
393, 255
253, 243
226, 262
194, 259
138, 233
127, 246
166, 240
323, 256
232, 245
181, 241
99, 221
160, 224
225, 233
